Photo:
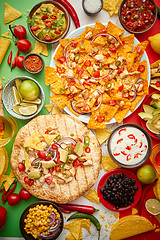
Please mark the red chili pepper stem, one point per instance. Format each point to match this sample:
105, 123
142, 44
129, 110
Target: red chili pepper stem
10, 191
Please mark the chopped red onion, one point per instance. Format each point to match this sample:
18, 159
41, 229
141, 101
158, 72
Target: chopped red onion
52, 217
76, 109
103, 34
135, 93
53, 235
64, 50
67, 139
32, 154
100, 100
57, 224
37, 160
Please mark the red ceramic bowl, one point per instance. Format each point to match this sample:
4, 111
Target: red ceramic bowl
128, 174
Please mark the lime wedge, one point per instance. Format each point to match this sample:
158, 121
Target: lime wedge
28, 110
23, 104
15, 95
36, 101
153, 206
18, 83
16, 109
152, 128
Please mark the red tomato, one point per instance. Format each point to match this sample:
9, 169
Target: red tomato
113, 49
47, 38
46, 132
158, 84
19, 61
41, 154
21, 166
57, 169
77, 163
47, 158
74, 44
20, 32
71, 83
103, 30
24, 194
121, 88
79, 139
24, 45
13, 199
48, 180
3, 217
96, 74
61, 59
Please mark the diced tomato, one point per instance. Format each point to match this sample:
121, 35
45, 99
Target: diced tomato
131, 136
44, 17
41, 154
74, 44
123, 12
120, 70
79, 139
112, 102
139, 49
103, 30
48, 180
86, 108
100, 118
35, 28
141, 68
56, 10
121, 88
21, 166
71, 83
107, 78
119, 140
47, 38
47, 158
46, 132
73, 146
122, 130
87, 150
51, 169
77, 163
128, 147
54, 146
57, 169
116, 154
124, 153
125, 95
61, 70
57, 31
96, 74
128, 157
80, 71
28, 181
113, 49
151, 7
53, 17
61, 59
108, 55
158, 84
87, 63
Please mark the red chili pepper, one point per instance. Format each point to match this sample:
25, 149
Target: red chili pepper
145, 15
87, 63
70, 96
112, 102
122, 130
47, 38
121, 88
158, 84
9, 58
53, 17
137, 155
71, 11
116, 154
123, 12
128, 147
140, 144
119, 140
61, 70
78, 208
71, 83
103, 30
128, 157
10, 191
14, 61
124, 153
141, 68
80, 71
113, 49
87, 150
3, 196
48, 23
131, 136
46, 132
61, 59
54, 146
100, 118
108, 55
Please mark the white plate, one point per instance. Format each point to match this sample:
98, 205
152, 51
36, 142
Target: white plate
85, 118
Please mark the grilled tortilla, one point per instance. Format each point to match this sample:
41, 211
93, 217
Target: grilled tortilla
84, 177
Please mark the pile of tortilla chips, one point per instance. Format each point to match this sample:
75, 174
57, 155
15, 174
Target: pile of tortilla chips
75, 228
95, 74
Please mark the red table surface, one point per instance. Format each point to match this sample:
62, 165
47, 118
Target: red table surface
134, 118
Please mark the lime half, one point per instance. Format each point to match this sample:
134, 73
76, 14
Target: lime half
153, 206
28, 110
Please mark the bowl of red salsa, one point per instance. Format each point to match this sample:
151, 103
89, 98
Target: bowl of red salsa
137, 16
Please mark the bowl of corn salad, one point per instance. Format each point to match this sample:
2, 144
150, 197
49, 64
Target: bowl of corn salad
41, 220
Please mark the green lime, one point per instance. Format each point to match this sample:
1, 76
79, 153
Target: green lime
29, 90
16, 96
28, 110
153, 206
146, 174
16, 109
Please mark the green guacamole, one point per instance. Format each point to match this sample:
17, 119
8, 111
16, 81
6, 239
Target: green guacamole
48, 22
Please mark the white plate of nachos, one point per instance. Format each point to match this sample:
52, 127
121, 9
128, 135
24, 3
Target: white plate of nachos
126, 86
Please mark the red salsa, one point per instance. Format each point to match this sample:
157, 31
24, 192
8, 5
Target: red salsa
33, 63
137, 15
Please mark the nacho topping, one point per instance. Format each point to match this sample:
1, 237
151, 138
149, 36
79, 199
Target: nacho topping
57, 161
97, 73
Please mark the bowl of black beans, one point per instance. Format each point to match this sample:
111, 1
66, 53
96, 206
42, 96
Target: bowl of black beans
119, 190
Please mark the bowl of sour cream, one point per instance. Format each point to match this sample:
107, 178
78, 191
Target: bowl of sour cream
91, 7
129, 145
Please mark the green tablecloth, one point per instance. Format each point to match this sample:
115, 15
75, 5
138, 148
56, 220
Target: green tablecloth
14, 212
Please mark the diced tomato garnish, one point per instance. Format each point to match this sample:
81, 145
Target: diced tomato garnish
71, 83
47, 158
121, 88
54, 146
124, 153
123, 12
112, 102
41, 154
103, 30
61, 59
96, 74
86, 108
151, 7
44, 17
122, 130
77, 163
57, 31
51, 169
131, 136
125, 95
113, 49
80, 71
87, 63
47, 38
28, 181
56, 10
100, 118
46, 132
21, 166
116, 154
119, 140
128, 147
141, 68
128, 157
53, 17
74, 44
108, 55
87, 150
120, 70
35, 28
158, 84
137, 155
61, 70
48, 180
79, 139
57, 169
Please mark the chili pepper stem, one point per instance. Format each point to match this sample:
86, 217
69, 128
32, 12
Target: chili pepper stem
13, 36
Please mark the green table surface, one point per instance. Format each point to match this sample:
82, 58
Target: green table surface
11, 228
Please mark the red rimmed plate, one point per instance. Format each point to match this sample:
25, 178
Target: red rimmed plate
147, 101
128, 174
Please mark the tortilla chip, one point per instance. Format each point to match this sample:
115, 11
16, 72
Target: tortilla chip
49, 138
4, 44
27, 161
58, 87
134, 211
87, 29
155, 191
10, 13
127, 43
37, 48
158, 188
108, 164
1, 105
98, 27
34, 142
68, 104
130, 226
59, 100
70, 237
2, 160
50, 75
139, 50
44, 51
143, 74
8, 183
134, 103
108, 111
92, 196
11, 174
114, 30
111, 6
102, 134
86, 223
75, 229
52, 108
93, 123
59, 52
1, 129
120, 115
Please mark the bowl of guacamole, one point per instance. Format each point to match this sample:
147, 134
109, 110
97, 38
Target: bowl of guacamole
48, 22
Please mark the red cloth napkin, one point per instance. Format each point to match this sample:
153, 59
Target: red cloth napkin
134, 118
